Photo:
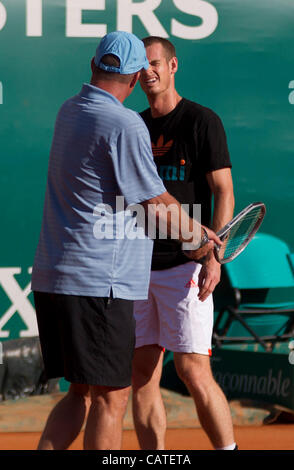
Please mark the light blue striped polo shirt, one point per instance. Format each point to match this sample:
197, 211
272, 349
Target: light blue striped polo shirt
100, 150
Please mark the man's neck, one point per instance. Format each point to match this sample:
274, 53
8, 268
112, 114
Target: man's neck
163, 104
112, 87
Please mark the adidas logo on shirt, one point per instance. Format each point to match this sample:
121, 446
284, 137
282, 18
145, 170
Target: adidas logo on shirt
160, 148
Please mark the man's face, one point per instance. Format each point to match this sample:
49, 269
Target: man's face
158, 78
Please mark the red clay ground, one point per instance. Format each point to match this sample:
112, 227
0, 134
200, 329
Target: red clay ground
265, 437
21, 423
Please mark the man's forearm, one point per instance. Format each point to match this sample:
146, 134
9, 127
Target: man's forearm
221, 186
166, 214
223, 212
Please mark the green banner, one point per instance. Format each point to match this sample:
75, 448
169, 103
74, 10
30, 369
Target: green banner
246, 372
260, 377
235, 57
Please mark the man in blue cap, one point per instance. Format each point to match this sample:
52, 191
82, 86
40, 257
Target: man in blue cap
84, 280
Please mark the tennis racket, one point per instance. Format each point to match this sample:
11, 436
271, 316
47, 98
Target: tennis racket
237, 233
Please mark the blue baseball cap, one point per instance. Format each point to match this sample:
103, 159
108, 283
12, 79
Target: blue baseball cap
127, 47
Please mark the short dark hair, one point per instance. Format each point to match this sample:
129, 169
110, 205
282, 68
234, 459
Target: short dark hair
113, 61
169, 48
110, 59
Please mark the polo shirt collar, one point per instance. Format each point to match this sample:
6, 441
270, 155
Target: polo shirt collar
94, 93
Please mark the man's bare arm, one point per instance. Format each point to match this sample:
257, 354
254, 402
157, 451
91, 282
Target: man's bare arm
178, 223
221, 185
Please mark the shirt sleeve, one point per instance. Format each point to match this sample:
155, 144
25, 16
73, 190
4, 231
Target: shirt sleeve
214, 148
135, 171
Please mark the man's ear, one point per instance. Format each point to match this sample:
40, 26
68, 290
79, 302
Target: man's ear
135, 79
173, 65
93, 65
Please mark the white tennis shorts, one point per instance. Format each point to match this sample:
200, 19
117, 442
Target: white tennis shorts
173, 317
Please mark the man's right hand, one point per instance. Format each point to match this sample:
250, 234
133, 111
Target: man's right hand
179, 225
201, 252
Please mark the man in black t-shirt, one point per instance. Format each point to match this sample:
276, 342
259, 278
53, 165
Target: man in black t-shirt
190, 151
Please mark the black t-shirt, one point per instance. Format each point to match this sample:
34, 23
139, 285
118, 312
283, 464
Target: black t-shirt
187, 143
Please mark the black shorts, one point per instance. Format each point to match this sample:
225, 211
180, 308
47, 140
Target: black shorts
86, 340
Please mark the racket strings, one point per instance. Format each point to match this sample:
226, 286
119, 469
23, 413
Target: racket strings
238, 234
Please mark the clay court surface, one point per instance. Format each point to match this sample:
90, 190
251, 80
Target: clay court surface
269, 437
21, 422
